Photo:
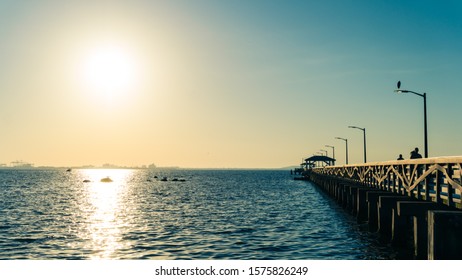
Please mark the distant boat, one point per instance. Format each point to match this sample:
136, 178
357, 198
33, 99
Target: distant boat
68, 170
86, 181
106, 180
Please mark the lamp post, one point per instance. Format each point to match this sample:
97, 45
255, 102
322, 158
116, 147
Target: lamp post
364, 132
346, 148
424, 96
324, 151
333, 150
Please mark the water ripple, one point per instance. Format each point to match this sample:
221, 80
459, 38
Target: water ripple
53, 214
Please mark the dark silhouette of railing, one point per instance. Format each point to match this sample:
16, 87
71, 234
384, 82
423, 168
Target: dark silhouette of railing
431, 179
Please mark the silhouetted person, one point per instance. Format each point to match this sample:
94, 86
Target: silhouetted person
400, 157
415, 154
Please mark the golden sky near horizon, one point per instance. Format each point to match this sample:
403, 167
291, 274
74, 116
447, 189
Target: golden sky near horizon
207, 84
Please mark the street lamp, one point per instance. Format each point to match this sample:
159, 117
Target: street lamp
364, 132
424, 95
346, 146
324, 151
333, 150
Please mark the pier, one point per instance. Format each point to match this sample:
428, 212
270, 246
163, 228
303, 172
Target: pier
413, 204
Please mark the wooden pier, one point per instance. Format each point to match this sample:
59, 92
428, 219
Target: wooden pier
413, 204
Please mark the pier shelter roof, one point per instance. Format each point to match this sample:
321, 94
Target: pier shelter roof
319, 161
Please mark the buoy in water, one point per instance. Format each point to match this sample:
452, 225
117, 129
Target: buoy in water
106, 180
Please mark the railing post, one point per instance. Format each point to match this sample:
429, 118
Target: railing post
402, 172
438, 186
418, 187
408, 175
450, 171
387, 182
427, 185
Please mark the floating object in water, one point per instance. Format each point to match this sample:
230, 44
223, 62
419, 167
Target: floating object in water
155, 177
106, 180
164, 179
86, 181
68, 170
179, 180
175, 180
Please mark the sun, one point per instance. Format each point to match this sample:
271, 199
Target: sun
109, 70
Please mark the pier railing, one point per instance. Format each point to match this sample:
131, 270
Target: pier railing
432, 179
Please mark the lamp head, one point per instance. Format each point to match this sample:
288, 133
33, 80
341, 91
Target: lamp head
352, 126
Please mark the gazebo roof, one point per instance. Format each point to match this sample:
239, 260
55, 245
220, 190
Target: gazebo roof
320, 158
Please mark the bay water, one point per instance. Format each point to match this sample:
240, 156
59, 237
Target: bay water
194, 214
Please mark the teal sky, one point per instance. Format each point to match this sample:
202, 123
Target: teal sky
230, 83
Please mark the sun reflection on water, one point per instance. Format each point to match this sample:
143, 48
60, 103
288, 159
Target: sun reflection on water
104, 210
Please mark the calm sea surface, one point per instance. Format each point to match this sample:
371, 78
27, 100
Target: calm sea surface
213, 214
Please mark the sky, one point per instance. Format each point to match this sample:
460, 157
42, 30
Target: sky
226, 84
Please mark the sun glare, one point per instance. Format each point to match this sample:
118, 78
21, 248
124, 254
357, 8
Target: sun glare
109, 71
105, 209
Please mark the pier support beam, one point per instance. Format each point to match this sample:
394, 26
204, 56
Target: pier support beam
345, 196
410, 223
355, 199
372, 198
339, 193
350, 193
444, 235
386, 208
362, 208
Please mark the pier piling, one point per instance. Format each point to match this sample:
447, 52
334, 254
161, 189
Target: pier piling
362, 208
417, 212
372, 205
385, 209
444, 235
